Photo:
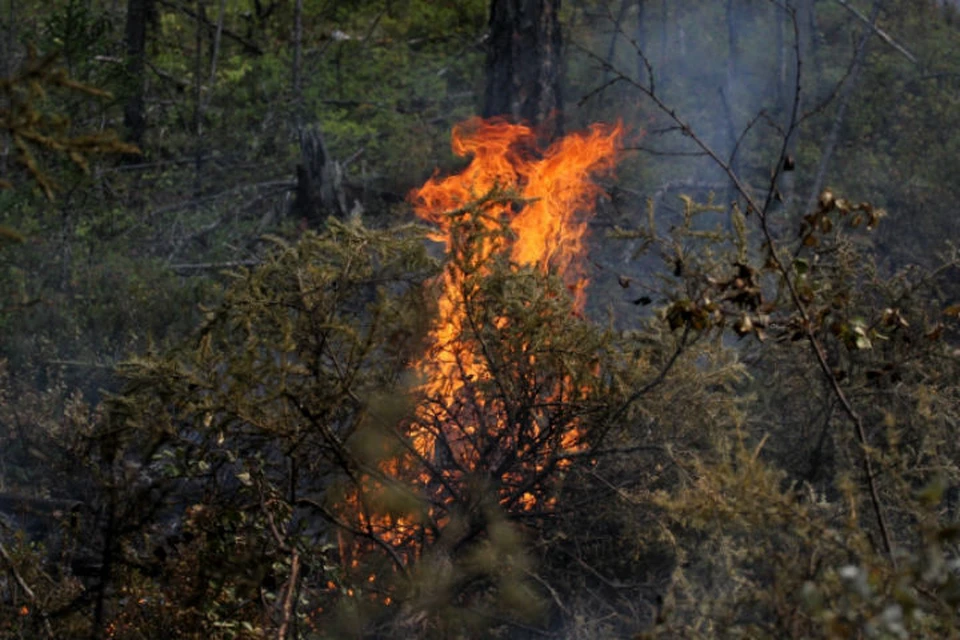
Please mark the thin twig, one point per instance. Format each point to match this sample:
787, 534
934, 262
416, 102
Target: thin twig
288, 598
25, 587
16, 574
206, 266
323, 511
251, 47
880, 32
645, 389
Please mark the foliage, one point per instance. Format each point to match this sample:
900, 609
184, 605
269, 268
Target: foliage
259, 416
43, 445
771, 400
33, 128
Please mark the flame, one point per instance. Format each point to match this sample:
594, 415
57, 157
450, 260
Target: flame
550, 229
544, 198
557, 194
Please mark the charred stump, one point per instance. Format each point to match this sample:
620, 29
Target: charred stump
523, 67
320, 190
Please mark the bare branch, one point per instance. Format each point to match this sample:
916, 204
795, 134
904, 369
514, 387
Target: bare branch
207, 266
249, 47
23, 585
880, 32
16, 574
288, 598
778, 264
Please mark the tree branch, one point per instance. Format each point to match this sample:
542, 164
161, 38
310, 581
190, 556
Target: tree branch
288, 598
880, 32
249, 47
779, 266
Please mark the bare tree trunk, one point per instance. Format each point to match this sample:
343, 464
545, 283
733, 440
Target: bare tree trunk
806, 26
813, 42
8, 42
215, 55
524, 63
105, 576
6, 70
664, 30
198, 100
297, 52
617, 26
134, 116
783, 55
640, 36
9, 38
198, 67
731, 94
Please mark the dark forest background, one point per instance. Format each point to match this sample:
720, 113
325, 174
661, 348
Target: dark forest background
212, 286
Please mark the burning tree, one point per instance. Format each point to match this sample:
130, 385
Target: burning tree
349, 452
364, 439
501, 383
515, 384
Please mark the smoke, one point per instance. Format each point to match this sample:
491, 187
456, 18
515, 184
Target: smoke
729, 71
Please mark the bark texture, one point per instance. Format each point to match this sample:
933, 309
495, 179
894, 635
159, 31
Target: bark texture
319, 190
138, 17
524, 63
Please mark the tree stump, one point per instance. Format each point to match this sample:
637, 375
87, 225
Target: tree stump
319, 190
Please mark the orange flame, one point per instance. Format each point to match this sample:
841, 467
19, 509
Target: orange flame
545, 198
550, 229
559, 194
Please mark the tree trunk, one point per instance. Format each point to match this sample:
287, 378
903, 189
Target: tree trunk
812, 39
7, 65
9, 38
201, 20
640, 35
783, 57
524, 63
214, 56
664, 37
134, 117
297, 53
198, 153
731, 93
734, 17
